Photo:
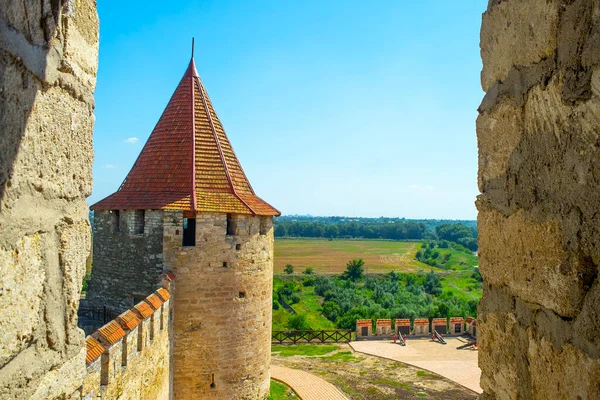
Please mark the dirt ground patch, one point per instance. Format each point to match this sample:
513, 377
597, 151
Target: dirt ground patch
449, 360
331, 257
366, 377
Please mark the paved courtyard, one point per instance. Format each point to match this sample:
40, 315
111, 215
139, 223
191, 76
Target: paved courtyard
445, 360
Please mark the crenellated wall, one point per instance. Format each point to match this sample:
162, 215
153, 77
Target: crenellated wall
130, 357
48, 63
539, 222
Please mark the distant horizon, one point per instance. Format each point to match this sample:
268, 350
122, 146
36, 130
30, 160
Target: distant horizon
381, 216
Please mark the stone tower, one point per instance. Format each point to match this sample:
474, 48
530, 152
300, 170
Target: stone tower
186, 206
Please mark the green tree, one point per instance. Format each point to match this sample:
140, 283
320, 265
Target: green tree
354, 269
432, 283
289, 269
308, 271
298, 322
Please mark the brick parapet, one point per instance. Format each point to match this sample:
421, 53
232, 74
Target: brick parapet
134, 341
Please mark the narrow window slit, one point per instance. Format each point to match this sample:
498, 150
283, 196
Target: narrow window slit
189, 232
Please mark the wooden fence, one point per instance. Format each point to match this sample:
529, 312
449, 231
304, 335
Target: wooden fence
324, 336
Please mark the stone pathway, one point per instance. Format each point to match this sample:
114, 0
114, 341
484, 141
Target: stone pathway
446, 360
307, 386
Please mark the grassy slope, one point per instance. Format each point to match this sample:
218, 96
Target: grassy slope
309, 305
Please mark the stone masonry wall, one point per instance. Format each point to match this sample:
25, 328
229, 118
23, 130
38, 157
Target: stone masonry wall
127, 262
132, 361
222, 316
539, 222
48, 63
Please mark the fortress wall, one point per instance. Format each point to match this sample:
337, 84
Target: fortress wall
539, 176
222, 318
48, 62
144, 371
127, 261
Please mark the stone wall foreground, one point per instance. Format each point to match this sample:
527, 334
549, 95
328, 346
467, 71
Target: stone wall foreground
539, 175
48, 63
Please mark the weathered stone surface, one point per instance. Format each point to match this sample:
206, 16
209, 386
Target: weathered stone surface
127, 262
222, 319
46, 119
516, 33
539, 173
499, 133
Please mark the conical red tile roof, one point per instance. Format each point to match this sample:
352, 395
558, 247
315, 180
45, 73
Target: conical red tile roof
188, 162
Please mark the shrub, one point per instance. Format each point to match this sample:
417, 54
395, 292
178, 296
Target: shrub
298, 322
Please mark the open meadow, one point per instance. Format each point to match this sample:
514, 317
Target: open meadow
331, 256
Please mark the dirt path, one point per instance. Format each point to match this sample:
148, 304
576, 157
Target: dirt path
307, 386
446, 360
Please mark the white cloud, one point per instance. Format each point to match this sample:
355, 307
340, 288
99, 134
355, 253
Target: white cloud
420, 188
110, 166
131, 140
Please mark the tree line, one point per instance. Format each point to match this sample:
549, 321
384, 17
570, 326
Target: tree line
377, 229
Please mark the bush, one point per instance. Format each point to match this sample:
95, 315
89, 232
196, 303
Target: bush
294, 298
289, 269
308, 271
310, 281
276, 305
298, 322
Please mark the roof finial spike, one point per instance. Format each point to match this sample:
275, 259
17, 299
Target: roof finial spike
192, 48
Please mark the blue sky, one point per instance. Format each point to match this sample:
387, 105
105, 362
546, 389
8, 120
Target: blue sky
333, 107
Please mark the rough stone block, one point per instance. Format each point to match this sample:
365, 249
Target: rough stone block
516, 34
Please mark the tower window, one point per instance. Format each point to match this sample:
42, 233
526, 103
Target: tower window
189, 232
115, 220
231, 225
139, 222
263, 225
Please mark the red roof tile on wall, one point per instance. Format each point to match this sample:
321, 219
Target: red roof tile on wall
143, 309
163, 294
188, 162
128, 320
154, 301
93, 349
111, 333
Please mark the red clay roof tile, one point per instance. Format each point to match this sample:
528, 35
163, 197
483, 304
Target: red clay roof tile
143, 309
111, 333
188, 162
93, 349
154, 301
163, 294
128, 320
